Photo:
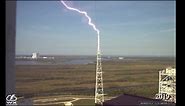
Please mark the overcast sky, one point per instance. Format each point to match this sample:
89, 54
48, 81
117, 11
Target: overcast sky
126, 28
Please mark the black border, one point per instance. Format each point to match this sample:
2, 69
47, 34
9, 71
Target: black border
2, 53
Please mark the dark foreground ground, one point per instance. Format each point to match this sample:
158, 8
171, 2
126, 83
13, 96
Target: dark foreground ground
135, 76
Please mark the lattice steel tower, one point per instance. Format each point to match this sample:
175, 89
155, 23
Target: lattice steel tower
99, 95
167, 83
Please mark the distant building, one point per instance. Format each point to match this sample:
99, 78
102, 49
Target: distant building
120, 58
35, 55
44, 57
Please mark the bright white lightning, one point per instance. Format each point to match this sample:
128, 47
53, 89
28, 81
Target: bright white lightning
89, 20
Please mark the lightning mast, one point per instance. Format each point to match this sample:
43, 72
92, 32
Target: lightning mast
99, 95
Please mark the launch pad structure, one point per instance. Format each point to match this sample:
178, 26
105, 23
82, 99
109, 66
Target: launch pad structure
167, 84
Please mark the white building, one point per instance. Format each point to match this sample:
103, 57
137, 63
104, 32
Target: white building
35, 55
120, 58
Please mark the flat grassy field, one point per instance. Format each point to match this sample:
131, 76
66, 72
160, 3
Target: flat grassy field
134, 76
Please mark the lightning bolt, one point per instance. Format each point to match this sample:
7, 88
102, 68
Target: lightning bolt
89, 20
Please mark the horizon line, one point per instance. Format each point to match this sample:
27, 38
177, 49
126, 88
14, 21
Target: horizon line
123, 55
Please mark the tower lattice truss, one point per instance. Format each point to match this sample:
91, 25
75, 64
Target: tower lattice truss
167, 84
99, 94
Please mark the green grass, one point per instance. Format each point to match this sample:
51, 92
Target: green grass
132, 77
